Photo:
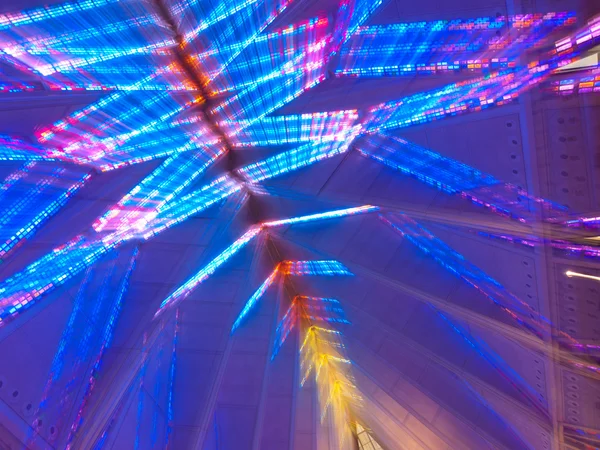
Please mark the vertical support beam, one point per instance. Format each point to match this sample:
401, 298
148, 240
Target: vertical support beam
537, 179
537, 176
587, 104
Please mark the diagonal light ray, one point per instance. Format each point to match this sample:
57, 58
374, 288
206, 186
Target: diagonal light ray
321, 216
186, 288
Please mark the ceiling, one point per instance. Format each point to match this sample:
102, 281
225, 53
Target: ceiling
129, 318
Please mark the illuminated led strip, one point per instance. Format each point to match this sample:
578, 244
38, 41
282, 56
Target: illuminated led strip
292, 160
15, 149
151, 125
105, 167
325, 215
293, 129
312, 268
585, 35
15, 177
323, 353
363, 9
318, 309
108, 76
257, 103
83, 114
442, 46
152, 153
108, 154
39, 217
255, 298
150, 149
98, 54
430, 67
146, 104
158, 188
473, 95
114, 240
22, 290
12, 20
582, 84
259, 57
286, 69
173, 211
156, 124
109, 85
294, 268
228, 54
329, 337
223, 11
221, 48
190, 204
83, 34
101, 57
423, 164
225, 186
266, 39
184, 290
111, 152
584, 221
8, 154
16, 87
87, 147
342, 18
56, 53
313, 63
518, 21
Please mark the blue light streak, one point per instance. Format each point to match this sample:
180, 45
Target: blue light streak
291, 160
323, 216
455, 177
262, 289
444, 46
29, 202
186, 288
294, 129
